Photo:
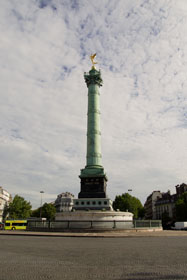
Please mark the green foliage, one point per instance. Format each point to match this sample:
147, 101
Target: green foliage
141, 212
5, 213
36, 213
47, 211
19, 208
181, 207
126, 202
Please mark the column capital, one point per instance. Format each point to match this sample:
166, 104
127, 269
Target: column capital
93, 77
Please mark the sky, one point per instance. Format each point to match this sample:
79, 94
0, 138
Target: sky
141, 48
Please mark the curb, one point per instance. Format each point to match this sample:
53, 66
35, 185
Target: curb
97, 235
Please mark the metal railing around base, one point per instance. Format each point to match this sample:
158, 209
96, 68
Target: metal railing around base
147, 223
92, 225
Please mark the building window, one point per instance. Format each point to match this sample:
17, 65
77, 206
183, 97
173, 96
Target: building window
99, 202
82, 202
93, 202
88, 202
77, 203
105, 202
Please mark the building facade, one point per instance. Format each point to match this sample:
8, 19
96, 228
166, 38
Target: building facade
64, 202
166, 206
150, 209
159, 204
180, 189
5, 199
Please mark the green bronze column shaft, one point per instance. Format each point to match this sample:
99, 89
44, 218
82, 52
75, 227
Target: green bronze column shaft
93, 158
93, 81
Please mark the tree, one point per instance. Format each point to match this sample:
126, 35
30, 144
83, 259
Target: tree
36, 213
181, 207
5, 212
47, 211
126, 202
19, 208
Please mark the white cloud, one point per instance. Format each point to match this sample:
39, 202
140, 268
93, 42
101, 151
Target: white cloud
44, 51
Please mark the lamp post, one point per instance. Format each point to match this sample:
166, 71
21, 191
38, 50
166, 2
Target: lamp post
41, 204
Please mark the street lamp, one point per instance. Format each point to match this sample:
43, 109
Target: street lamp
41, 204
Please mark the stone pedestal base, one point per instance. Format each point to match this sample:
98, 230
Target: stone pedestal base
93, 187
92, 204
95, 220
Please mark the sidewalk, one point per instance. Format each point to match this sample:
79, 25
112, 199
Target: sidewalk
107, 234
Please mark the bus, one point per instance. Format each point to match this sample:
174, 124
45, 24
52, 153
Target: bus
15, 225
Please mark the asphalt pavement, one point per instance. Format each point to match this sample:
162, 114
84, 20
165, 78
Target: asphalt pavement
125, 257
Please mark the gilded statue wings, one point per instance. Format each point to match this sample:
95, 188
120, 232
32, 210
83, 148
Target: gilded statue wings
92, 56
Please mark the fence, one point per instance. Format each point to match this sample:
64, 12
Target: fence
92, 225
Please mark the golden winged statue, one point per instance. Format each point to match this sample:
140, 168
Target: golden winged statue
92, 56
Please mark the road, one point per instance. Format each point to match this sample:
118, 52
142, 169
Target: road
133, 258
